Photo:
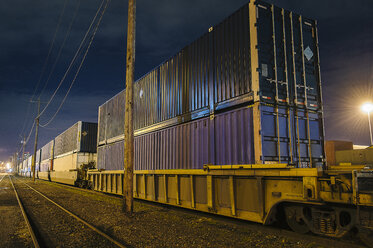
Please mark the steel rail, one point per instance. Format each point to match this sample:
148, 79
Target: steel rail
33, 237
2, 178
78, 218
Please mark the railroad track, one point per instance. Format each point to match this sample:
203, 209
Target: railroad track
325, 241
2, 178
27, 221
37, 227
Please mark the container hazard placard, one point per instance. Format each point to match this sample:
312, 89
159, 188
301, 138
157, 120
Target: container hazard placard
308, 53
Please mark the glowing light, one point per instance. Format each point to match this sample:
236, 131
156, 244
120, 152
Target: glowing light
8, 166
367, 107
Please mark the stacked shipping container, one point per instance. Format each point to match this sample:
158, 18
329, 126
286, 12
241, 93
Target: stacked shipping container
46, 160
73, 148
61, 158
29, 163
46, 156
246, 92
37, 161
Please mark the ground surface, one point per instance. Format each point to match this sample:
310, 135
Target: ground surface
13, 229
154, 225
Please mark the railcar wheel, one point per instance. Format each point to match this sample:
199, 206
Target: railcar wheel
294, 219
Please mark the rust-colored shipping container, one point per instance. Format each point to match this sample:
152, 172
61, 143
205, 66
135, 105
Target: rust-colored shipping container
331, 146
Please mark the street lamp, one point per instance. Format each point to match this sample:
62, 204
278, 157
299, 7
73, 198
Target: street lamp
368, 107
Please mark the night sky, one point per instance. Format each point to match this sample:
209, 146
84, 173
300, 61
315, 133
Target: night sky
163, 27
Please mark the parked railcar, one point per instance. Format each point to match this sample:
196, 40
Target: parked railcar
46, 162
20, 167
232, 124
37, 163
73, 149
24, 166
28, 168
66, 158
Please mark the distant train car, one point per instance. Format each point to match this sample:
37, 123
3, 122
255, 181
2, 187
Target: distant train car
28, 169
19, 168
232, 125
67, 156
37, 163
46, 160
24, 167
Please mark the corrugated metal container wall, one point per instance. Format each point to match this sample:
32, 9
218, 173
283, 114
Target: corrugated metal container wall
145, 106
234, 140
24, 165
45, 165
37, 161
227, 139
102, 115
179, 147
47, 151
231, 49
66, 141
46, 156
178, 86
101, 153
88, 137
192, 82
29, 162
111, 118
111, 157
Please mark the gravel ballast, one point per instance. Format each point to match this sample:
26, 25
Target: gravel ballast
156, 225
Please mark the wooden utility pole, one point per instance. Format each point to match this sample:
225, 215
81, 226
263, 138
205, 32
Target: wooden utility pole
36, 143
15, 165
17, 162
128, 119
23, 151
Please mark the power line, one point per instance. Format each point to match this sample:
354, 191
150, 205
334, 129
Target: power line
51, 128
26, 118
29, 135
50, 49
44, 66
80, 66
20, 149
72, 61
61, 48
